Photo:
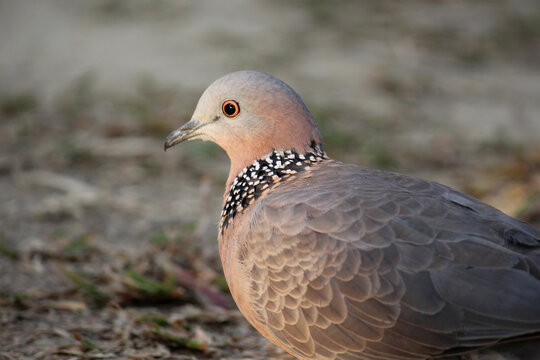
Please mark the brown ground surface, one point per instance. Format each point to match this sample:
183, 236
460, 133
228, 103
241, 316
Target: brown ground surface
107, 244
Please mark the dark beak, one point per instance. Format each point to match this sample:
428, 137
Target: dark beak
186, 132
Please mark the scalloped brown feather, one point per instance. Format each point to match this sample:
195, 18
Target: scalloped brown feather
364, 264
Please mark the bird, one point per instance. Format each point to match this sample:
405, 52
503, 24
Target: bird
330, 260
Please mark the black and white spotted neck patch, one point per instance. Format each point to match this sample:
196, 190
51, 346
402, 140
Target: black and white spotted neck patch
262, 175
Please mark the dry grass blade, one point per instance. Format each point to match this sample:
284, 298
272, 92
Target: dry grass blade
178, 341
142, 287
98, 296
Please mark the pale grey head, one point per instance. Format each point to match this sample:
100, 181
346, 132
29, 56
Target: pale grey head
249, 114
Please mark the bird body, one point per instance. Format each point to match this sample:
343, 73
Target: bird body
336, 261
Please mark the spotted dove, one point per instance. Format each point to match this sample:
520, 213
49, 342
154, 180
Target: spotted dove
336, 261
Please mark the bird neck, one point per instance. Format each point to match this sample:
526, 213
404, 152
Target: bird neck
262, 175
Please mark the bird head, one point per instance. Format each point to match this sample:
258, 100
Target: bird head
249, 114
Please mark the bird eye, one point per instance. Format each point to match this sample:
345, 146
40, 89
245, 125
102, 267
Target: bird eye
230, 108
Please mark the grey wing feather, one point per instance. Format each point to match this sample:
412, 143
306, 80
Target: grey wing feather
387, 266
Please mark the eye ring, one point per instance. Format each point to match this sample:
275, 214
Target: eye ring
230, 108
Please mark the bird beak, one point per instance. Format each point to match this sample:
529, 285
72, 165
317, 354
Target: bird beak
186, 132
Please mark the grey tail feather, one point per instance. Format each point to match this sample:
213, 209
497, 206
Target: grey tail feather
518, 238
524, 347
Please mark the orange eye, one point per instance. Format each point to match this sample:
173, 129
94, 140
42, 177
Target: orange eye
230, 108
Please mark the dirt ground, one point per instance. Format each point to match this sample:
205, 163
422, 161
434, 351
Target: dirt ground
108, 245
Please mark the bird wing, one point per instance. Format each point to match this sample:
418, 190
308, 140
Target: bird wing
353, 263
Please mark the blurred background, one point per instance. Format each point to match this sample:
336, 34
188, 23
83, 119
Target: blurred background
108, 245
